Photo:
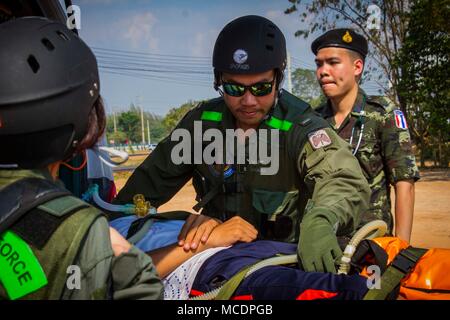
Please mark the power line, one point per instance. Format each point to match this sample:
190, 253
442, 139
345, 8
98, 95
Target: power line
155, 70
301, 62
188, 82
150, 54
181, 69
133, 58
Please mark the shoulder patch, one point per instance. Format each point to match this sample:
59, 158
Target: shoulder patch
319, 139
400, 120
60, 206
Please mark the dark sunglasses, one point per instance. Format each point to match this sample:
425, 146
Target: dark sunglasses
258, 89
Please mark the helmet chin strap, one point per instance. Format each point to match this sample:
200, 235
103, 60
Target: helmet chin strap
83, 163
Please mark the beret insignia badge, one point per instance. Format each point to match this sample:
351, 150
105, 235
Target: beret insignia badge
347, 37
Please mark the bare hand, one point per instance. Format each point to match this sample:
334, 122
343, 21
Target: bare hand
119, 244
196, 228
231, 231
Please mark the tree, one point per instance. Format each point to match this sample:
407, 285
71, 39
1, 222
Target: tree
130, 123
176, 114
383, 23
318, 101
119, 137
424, 83
157, 131
306, 86
128, 126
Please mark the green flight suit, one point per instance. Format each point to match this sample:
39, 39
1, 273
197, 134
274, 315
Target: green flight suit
316, 172
385, 152
131, 275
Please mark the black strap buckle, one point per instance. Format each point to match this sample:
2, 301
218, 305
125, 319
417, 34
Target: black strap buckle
404, 261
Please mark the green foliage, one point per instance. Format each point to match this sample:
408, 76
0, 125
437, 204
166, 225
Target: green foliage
119, 137
306, 87
424, 59
176, 114
410, 48
157, 130
385, 40
129, 126
130, 123
318, 101
425, 85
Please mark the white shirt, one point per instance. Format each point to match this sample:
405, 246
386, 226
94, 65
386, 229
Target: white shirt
178, 284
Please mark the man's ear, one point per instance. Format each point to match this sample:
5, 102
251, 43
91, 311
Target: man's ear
359, 67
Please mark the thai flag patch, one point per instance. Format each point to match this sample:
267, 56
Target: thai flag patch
400, 120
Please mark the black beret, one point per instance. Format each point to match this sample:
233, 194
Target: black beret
341, 38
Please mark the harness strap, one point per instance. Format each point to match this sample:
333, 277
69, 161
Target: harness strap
228, 289
138, 229
207, 198
23, 195
37, 226
402, 265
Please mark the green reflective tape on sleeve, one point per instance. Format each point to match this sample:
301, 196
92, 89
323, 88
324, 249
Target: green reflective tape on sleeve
20, 270
282, 125
211, 116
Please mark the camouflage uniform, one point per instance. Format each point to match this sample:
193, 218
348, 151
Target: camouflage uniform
385, 152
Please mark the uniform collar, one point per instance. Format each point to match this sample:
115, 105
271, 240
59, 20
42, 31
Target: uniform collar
326, 110
228, 121
360, 103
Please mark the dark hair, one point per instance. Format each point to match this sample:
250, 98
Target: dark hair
355, 56
95, 128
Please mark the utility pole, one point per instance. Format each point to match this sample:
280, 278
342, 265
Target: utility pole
139, 105
289, 72
148, 131
142, 125
115, 124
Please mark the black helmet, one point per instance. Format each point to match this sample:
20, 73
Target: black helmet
249, 44
48, 85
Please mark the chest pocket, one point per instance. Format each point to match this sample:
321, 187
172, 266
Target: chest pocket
369, 157
279, 210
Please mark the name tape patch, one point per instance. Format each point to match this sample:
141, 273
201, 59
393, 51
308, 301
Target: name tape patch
21, 272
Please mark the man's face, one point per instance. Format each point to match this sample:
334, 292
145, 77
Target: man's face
248, 109
336, 70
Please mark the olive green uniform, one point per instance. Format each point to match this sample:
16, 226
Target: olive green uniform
316, 172
385, 152
128, 276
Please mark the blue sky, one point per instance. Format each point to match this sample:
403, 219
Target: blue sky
174, 28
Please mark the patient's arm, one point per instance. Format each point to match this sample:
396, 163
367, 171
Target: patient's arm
231, 231
168, 258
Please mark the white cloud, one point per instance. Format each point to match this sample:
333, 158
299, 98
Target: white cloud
274, 14
287, 23
138, 29
203, 43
